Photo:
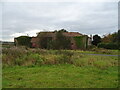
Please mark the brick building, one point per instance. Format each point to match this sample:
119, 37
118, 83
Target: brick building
85, 41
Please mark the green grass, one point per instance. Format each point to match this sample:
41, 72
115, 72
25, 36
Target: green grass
36, 68
59, 76
98, 51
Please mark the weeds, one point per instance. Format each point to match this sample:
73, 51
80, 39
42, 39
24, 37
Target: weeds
38, 68
31, 57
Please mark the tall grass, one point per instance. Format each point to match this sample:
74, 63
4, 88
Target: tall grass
31, 57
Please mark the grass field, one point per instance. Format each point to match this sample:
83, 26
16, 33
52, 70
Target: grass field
59, 76
58, 69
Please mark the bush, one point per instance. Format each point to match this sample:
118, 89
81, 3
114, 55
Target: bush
49, 59
23, 41
91, 47
61, 42
32, 57
108, 45
27, 60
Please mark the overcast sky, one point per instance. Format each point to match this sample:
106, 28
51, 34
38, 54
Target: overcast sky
28, 18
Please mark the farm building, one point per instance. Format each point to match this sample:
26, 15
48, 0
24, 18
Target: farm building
77, 40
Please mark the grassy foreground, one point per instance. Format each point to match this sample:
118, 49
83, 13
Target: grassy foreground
34, 68
59, 76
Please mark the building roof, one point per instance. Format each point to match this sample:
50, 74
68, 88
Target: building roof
52, 34
68, 34
72, 34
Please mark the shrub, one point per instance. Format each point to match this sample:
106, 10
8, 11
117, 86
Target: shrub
61, 42
49, 59
102, 50
31, 59
96, 40
23, 40
63, 59
22, 57
108, 45
55, 59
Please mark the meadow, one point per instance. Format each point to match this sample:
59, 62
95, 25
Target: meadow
38, 68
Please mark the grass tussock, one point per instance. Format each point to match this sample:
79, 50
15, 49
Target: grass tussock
31, 57
24, 67
104, 51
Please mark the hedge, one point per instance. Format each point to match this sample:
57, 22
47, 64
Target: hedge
108, 45
24, 41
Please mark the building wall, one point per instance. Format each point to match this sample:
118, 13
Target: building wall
82, 43
73, 44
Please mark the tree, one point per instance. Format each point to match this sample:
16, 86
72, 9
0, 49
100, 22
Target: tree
115, 37
107, 38
62, 30
57, 41
119, 39
118, 35
61, 41
111, 41
44, 41
111, 38
96, 40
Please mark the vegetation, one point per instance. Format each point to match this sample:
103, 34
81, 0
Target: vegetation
81, 42
59, 76
23, 41
21, 57
108, 45
119, 39
44, 42
23, 68
53, 40
42, 68
110, 38
110, 41
96, 40
7, 44
62, 30
60, 41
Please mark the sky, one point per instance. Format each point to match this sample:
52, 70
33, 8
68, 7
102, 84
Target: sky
27, 18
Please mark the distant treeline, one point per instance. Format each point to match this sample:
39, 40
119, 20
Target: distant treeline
5, 42
109, 41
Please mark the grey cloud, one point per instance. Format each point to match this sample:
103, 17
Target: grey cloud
88, 18
119, 15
